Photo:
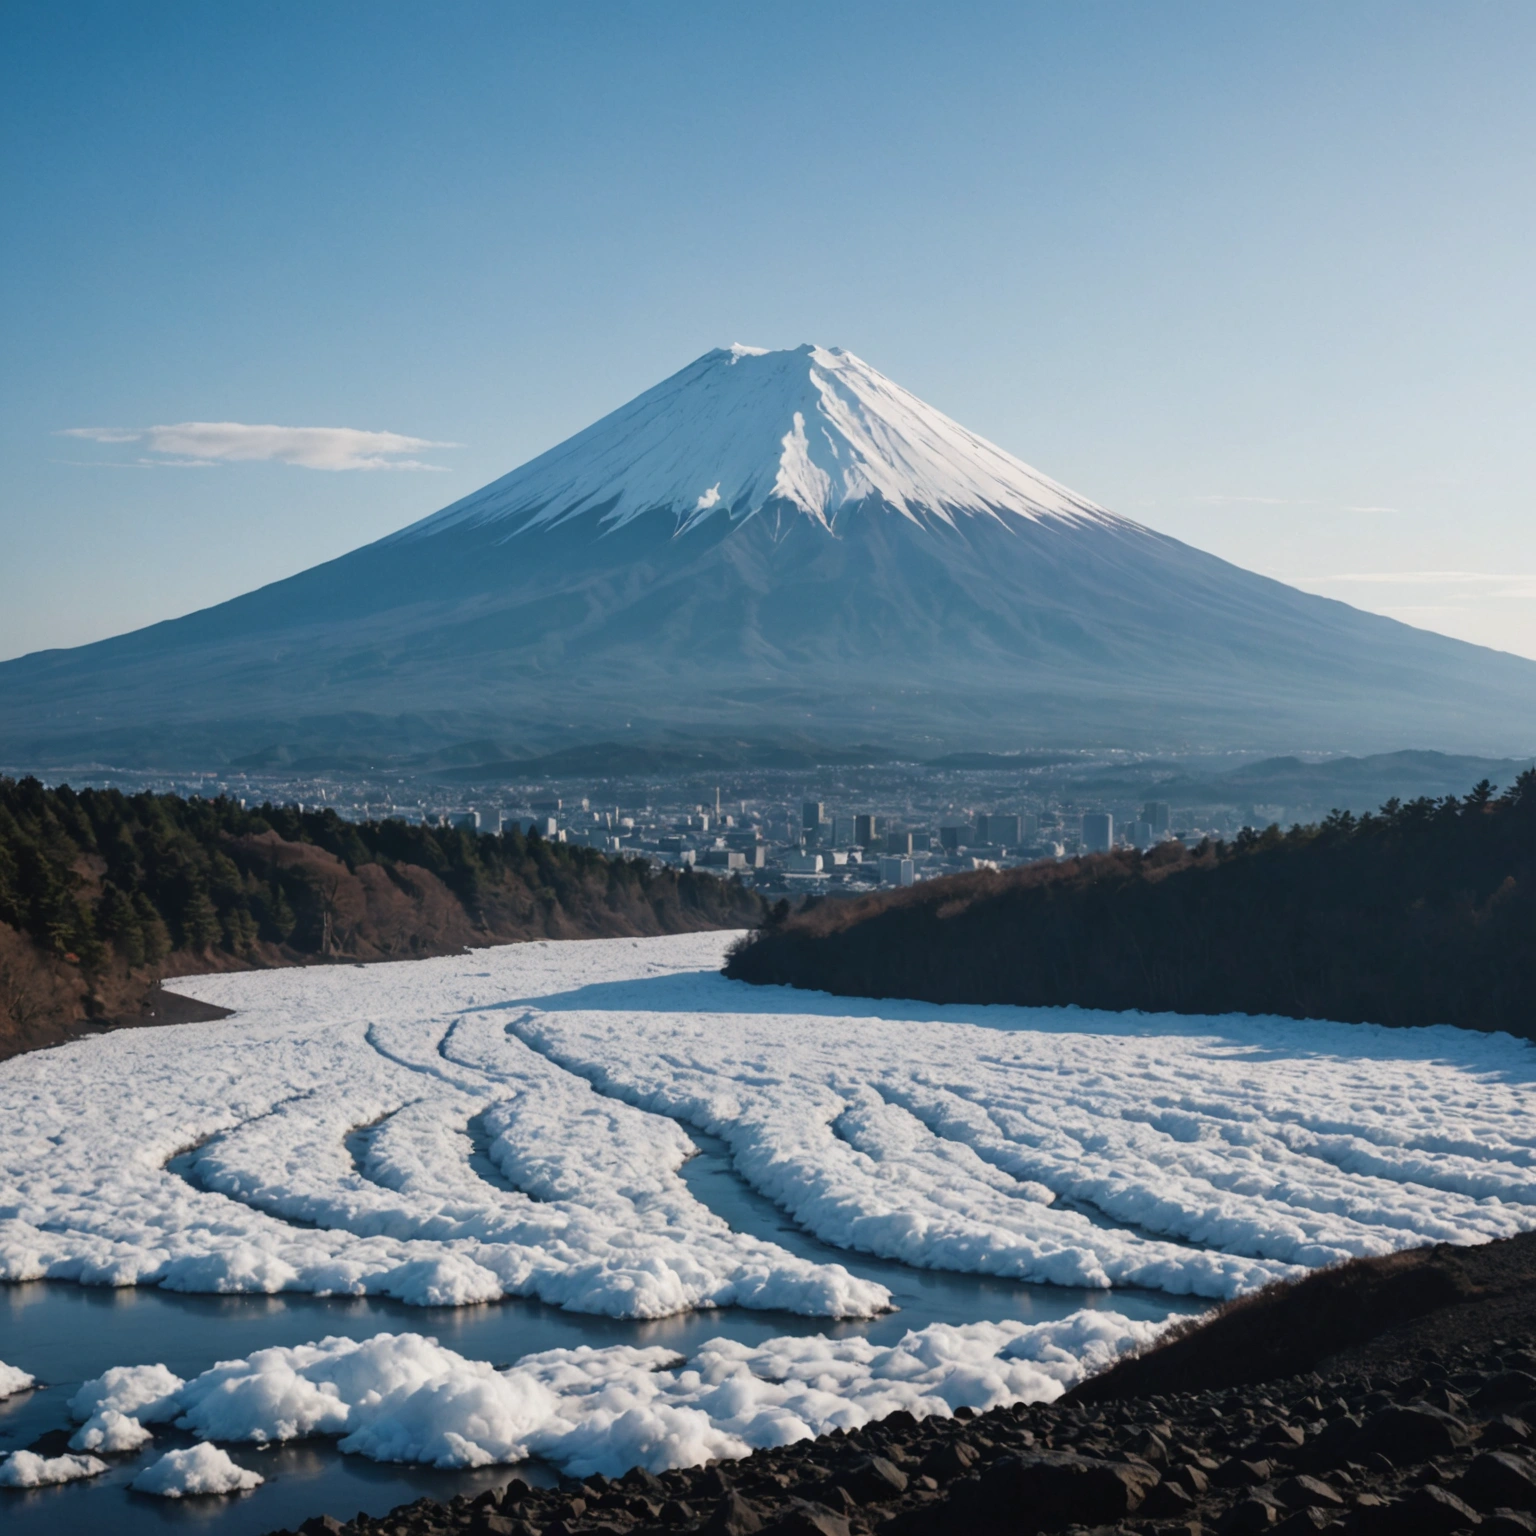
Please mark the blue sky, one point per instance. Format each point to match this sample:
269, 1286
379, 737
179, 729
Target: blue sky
1259, 276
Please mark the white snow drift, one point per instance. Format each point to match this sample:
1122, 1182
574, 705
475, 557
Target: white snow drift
405, 1398
26, 1469
512, 1122
14, 1380
198, 1469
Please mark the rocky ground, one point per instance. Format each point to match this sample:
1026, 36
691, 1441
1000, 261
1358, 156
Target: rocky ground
1391, 1396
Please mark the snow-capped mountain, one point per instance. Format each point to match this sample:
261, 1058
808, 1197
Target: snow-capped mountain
813, 431
769, 544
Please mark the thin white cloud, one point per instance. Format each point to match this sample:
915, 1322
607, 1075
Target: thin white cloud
102, 434
190, 444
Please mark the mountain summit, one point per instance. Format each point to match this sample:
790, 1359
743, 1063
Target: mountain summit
768, 545
815, 431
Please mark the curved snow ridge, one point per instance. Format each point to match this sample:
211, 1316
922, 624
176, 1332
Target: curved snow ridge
809, 431
863, 1174
597, 1218
1272, 1143
405, 1398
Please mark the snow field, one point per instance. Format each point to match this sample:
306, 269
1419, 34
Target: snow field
513, 1122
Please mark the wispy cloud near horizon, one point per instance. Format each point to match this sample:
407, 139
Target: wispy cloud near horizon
197, 443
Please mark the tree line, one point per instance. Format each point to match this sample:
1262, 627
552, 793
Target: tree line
105, 887
1421, 913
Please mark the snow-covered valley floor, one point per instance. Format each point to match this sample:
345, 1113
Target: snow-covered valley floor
515, 1122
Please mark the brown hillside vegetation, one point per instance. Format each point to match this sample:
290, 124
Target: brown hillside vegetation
1422, 914
102, 896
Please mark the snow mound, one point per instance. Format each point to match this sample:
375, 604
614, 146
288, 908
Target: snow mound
26, 1469
147, 1392
14, 1380
200, 1469
405, 1398
110, 1432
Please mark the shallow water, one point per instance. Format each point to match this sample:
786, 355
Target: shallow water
64, 1334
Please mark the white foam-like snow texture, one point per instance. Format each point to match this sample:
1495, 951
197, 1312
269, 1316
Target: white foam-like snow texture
198, 1469
406, 1398
26, 1469
13, 1380
111, 1433
513, 1121
808, 431
147, 1392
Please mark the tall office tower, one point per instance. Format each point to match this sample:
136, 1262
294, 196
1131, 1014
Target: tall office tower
1098, 832
1156, 815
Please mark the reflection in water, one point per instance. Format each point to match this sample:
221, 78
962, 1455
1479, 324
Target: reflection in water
65, 1334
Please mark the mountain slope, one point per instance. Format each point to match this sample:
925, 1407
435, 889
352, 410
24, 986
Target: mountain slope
770, 543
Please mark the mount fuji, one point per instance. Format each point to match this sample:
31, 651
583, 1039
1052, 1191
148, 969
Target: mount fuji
768, 545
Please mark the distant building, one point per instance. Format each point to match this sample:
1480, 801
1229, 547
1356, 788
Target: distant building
1098, 832
469, 821
899, 843
1156, 815
802, 863
812, 813
1004, 829
723, 858
865, 830
896, 871
842, 830
1140, 834
951, 839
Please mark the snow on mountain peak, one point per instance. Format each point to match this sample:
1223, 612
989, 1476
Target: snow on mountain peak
812, 430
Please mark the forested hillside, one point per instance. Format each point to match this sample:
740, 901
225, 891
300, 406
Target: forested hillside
102, 893
1423, 913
